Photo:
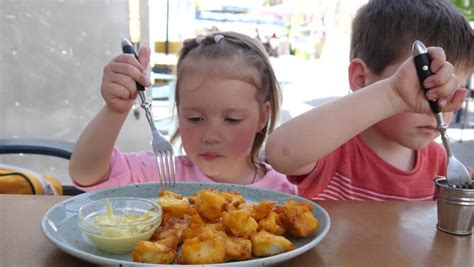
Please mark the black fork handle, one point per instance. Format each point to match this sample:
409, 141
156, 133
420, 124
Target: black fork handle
422, 65
128, 48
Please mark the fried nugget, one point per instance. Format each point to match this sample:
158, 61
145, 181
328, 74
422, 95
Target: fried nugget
272, 224
209, 204
173, 203
259, 210
265, 244
171, 227
206, 248
238, 223
232, 199
151, 252
237, 248
298, 218
195, 230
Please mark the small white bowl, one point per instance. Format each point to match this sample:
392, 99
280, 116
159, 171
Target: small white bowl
133, 219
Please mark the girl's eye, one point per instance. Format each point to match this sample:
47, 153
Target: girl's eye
233, 120
194, 119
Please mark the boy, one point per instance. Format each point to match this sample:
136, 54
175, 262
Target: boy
377, 143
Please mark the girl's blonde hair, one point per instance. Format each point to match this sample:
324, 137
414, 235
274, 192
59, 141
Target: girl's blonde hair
236, 56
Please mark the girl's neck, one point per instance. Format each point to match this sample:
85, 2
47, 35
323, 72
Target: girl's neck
246, 175
399, 156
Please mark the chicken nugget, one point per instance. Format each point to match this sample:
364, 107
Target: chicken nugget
151, 252
298, 218
272, 224
238, 223
206, 248
232, 198
265, 244
237, 248
259, 210
173, 227
173, 203
209, 204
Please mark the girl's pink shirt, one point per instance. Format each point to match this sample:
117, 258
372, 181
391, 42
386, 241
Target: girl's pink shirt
140, 167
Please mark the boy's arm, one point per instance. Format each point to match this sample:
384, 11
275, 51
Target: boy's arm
294, 147
90, 161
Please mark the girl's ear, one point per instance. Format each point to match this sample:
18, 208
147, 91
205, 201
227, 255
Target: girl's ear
264, 115
357, 74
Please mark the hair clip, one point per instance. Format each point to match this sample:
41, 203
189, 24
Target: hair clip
218, 37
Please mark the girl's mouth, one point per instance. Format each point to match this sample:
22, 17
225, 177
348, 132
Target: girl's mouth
210, 156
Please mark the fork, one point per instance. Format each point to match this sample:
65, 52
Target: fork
456, 173
162, 148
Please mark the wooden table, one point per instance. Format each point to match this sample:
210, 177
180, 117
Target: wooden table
361, 234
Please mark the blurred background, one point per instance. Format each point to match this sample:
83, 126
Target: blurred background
52, 53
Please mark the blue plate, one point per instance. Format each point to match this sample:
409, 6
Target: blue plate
59, 224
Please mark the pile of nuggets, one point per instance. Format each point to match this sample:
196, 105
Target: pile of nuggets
216, 227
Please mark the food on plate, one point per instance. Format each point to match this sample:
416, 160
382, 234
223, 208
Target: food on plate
209, 204
239, 223
237, 249
173, 203
153, 252
272, 224
265, 244
206, 248
297, 218
259, 210
216, 227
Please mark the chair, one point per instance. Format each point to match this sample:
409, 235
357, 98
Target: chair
54, 148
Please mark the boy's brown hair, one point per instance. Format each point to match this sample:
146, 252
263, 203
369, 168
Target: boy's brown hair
383, 32
236, 56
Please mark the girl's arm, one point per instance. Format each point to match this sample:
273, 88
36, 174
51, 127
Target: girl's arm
90, 161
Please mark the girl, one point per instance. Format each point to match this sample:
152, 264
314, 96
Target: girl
227, 98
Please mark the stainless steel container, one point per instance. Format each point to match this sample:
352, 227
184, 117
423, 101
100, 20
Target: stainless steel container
455, 208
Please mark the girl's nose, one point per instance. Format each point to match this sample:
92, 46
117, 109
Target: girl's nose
211, 135
211, 138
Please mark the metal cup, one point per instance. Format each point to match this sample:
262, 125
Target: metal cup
455, 208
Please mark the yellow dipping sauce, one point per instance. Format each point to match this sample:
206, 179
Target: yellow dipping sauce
120, 232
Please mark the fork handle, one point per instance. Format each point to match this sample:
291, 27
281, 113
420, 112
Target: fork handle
128, 48
422, 64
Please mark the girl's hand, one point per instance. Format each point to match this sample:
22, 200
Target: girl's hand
118, 86
443, 85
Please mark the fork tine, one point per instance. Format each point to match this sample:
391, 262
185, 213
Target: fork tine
159, 163
171, 168
166, 168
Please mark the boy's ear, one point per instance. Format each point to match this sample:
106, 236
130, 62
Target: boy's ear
358, 71
264, 115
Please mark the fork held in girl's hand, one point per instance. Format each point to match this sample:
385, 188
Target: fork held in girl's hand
161, 147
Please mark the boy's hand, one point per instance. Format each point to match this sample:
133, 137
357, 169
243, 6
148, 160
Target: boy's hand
118, 86
443, 85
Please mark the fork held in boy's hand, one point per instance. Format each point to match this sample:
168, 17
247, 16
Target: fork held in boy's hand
456, 173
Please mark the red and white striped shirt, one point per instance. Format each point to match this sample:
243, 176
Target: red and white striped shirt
355, 172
